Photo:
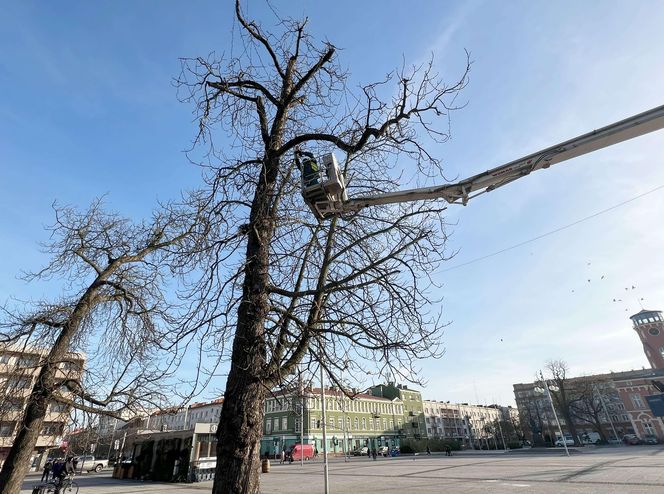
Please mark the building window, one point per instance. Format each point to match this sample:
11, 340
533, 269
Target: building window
276, 424
49, 430
14, 405
19, 382
58, 407
648, 428
268, 426
284, 423
364, 424
357, 423
637, 401
6, 429
26, 361
313, 423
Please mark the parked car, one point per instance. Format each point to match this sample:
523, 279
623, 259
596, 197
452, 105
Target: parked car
90, 463
361, 451
568, 441
631, 439
383, 451
650, 440
395, 451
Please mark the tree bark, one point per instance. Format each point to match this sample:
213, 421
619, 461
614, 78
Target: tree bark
241, 419
17, 463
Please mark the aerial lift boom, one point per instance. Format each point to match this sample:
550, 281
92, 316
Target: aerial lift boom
327, 197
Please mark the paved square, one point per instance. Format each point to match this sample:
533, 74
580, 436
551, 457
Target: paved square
603, 470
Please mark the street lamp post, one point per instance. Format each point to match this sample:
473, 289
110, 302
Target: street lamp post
555, 415
606, 410
324, 416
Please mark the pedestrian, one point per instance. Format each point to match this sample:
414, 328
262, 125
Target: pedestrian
428, 450
374, 453
47, 471
57, 469
283, 455
315, 452
448, 450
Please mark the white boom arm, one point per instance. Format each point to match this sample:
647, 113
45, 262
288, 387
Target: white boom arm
460, 192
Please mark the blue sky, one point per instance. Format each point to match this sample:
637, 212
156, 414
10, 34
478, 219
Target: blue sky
88, 108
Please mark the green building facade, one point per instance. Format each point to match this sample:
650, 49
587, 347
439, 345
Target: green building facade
383, 417
414, 425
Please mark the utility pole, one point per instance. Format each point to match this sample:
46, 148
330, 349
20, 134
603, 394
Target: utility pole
555, 415
500, 428
301, 419
324, 415
606, 410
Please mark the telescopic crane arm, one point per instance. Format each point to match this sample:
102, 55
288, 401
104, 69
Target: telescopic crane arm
460, 192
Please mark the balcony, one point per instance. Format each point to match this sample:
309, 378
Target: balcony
411, 413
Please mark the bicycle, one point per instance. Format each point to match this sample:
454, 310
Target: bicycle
66, 485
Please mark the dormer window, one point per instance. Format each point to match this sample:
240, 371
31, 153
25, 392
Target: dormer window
653, 331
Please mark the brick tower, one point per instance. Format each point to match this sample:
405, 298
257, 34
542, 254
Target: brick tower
649, 324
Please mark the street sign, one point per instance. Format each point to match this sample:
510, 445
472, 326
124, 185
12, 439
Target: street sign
116, 444
92, 448
656, 403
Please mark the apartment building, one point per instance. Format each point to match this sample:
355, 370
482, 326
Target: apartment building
617, 405
365, 419
19, 367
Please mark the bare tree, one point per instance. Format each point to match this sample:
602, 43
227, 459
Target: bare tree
563, 392
531, 415
589, 407
113, 307
351, 294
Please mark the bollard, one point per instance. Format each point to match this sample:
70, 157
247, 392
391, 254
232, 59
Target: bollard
265, 466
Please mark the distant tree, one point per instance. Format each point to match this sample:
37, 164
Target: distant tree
563, 392
532, 421
589, 405
351, 294
113, 307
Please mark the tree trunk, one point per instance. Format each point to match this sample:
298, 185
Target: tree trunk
571, 426
241, 420
16, 466
17, 463
239, 434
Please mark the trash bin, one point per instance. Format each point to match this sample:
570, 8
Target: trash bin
265, 466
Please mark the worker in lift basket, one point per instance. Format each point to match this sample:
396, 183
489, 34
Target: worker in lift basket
308, 166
